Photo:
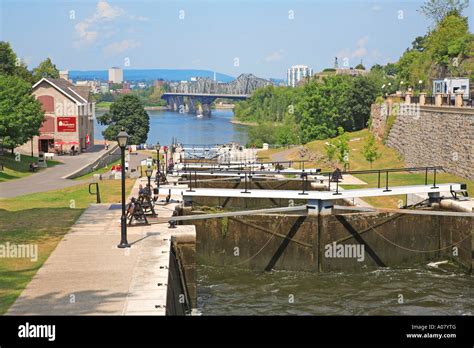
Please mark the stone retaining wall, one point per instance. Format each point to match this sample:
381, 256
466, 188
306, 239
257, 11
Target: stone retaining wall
429, 136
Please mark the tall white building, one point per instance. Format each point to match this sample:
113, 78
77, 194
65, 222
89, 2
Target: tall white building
116, 75
296, 73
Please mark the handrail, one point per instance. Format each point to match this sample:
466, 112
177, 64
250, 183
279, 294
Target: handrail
96, 193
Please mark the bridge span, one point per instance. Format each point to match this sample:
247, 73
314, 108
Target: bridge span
188, 102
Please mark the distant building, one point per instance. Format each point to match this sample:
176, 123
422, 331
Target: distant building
69, 117
297, 73
451, 86
116, 75
104, 88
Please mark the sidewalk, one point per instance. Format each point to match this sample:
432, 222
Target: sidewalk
51, 178
88, 275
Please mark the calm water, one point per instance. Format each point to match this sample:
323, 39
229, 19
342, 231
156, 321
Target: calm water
188, 129
426, 291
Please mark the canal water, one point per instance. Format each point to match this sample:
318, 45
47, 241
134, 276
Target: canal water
421, 290
189, 129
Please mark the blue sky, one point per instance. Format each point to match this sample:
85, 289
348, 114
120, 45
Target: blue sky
228, 36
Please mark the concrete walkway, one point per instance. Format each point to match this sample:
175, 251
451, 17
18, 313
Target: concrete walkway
54, 178
88, 275
51, 178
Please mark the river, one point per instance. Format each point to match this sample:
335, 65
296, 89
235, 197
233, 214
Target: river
189, 129
424, 290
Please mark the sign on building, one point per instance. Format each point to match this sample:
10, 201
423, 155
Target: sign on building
66, 124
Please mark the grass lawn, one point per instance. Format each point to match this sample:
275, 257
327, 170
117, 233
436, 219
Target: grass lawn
18, 169
103, 105
41, 219
389, 159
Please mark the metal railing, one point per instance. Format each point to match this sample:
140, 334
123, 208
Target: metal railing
386, 171
97, 191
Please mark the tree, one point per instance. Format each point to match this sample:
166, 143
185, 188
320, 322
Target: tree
330, 148
342, 145
11, 65
8, 59
370, 150
21, 115
45, 69
128, 112
419, 43
437, 10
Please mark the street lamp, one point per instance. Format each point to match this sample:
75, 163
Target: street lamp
149, 172
420, 84
122, 140
158, 164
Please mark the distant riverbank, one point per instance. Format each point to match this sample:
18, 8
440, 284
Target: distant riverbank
243, 123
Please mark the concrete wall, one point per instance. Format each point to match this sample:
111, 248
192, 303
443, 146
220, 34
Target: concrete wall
298, 243
108, 157
428, 136
181, 295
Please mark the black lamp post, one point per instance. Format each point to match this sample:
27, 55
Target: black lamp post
158, 164
149, 172
122, 140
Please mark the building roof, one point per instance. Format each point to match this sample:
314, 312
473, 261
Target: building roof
79, 94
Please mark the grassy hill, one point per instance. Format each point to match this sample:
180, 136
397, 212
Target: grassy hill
390, 158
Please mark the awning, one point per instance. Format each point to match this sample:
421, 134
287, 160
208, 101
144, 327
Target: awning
46, 137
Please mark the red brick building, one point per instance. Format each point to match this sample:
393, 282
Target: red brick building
69, 118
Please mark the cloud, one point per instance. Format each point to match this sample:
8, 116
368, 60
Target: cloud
275, 56
119, 47
99, 24
359, 52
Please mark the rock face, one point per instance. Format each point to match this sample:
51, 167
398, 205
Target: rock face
430, 136
244, 84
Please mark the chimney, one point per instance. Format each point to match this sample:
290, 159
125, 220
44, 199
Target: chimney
64, 74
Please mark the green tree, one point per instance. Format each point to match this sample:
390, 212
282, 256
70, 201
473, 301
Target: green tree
128, 112
342, 145
437, 10
8, 59
11, 65
360, 97
45, 69
21, 115
330, 149
370, 150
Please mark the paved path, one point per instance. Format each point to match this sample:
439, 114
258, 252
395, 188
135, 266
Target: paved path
88, 275
283, 155
51, 178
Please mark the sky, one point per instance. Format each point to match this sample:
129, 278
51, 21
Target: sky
262, 37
